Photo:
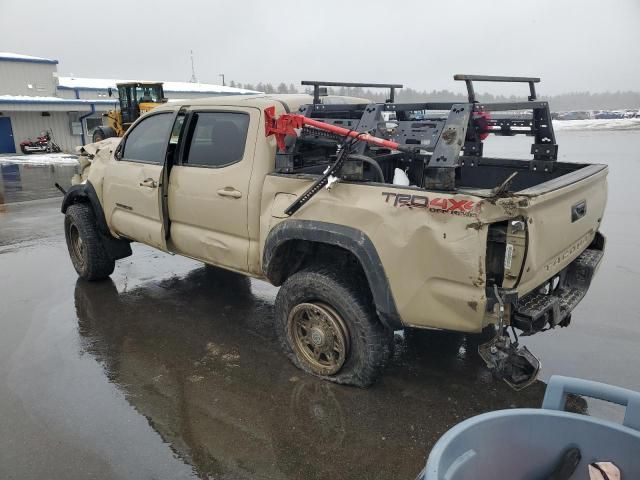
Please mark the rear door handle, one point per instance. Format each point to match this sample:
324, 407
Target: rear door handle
149, 183
229, 192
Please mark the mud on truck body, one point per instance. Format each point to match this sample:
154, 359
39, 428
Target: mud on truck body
299, 190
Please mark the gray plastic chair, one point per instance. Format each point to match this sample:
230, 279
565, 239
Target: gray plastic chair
527, 443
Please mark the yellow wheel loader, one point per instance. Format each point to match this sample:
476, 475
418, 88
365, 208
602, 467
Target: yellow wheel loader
136, 98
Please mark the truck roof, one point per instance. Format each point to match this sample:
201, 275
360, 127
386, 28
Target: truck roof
293, 100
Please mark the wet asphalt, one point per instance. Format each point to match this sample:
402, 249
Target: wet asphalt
172, 370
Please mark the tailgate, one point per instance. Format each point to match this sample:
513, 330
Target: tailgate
563, 216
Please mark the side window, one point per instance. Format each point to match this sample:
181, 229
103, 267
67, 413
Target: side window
218, 139
147, 142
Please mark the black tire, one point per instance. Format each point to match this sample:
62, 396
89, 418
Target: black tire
102, 133
368, 342
88, 254
98, 135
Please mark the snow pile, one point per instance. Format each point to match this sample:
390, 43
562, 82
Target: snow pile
598, 124
41, 159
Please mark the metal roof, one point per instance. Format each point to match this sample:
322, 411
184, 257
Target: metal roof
18, 57
79, 83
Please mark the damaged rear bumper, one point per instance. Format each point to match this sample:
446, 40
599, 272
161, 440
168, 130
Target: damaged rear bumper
546, 307
551, 304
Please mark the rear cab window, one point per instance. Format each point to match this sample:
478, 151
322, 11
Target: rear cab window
216, 139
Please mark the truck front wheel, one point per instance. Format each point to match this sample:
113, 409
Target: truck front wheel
88, 254
328, 327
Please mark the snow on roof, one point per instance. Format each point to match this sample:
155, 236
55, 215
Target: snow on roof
181, 87
18, 57
28, 99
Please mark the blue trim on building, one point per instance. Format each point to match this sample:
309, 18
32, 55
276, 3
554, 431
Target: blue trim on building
28, 60
64, 87
82, 117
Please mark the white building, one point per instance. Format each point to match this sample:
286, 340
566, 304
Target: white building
33, 98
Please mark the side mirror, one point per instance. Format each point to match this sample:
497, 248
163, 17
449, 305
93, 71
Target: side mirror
110, 91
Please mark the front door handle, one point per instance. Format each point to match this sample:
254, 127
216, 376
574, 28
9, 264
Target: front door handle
229, 192
149, 183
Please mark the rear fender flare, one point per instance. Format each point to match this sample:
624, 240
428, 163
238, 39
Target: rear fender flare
347, 238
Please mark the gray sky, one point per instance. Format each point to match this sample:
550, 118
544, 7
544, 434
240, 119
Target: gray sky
573, 45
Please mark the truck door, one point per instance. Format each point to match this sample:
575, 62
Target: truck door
208, 188
131, 193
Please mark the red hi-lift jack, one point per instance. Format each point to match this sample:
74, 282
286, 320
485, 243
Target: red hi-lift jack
291, 123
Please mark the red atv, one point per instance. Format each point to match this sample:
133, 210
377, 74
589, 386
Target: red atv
43, 144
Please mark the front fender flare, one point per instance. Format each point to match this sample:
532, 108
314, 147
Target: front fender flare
86, 193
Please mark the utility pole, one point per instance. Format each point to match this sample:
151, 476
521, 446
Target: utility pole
222, 75
193, 70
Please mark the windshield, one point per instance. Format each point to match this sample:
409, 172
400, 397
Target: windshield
145, 93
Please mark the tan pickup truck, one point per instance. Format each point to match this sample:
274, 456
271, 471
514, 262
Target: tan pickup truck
363, 239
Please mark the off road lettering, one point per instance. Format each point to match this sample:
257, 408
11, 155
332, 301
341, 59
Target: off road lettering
465, 208
451, 205
406, 200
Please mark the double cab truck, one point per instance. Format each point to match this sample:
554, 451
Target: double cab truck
371, 217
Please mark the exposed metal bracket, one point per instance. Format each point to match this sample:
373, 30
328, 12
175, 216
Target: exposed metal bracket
452, 138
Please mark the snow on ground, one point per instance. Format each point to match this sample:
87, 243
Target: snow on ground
41, 159
598, 124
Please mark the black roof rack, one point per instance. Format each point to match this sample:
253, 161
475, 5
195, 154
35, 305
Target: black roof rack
317, 84
469, 79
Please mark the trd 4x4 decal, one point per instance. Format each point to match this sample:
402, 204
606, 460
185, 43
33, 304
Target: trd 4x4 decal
466, 208
404, 200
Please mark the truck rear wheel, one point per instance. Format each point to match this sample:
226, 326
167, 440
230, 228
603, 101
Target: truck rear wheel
329, 328
88, 254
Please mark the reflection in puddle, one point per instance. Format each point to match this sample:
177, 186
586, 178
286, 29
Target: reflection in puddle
22, 182
197, 356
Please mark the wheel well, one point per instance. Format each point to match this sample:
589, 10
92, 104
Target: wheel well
75, 194
295, 244
85, 193
294, 255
